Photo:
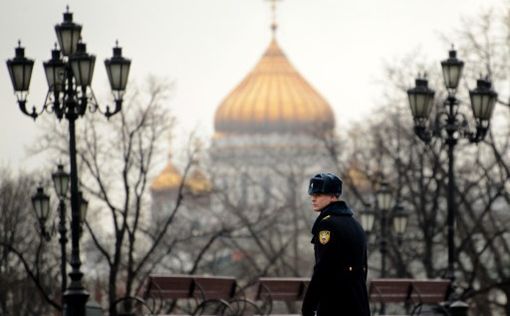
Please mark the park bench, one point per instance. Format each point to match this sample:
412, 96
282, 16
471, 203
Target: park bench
204, 294
416, 293
288, 290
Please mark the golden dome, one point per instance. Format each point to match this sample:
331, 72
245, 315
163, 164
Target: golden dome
197, 182
170, 179
273, 98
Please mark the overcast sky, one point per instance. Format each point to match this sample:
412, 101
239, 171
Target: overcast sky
208, 46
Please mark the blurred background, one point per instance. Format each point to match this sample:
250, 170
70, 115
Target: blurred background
230, 108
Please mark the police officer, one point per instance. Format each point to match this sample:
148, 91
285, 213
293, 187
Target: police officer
338, 284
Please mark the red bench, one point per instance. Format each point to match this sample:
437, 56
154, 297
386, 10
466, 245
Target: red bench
208, 294
280, 289
409, 291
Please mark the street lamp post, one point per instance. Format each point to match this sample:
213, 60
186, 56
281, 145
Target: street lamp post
384, 204
41, 204
399, 217
69, 75
450, 125
61, 183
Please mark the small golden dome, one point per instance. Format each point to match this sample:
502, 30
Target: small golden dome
197, 182
168, 179
273, 98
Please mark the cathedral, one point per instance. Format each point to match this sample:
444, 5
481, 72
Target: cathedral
273, 119
269, 139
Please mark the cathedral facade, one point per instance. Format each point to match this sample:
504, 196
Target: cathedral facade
269, 139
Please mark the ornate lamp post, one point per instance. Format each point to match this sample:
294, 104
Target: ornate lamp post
384, 202
69, 75
450, 125
61, 183
399, 217
41, 204
367, 218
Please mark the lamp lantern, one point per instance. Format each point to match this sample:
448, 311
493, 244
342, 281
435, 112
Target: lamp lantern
400, 220
117, 69
384, 197
421, 99
41, 204
367, 218
20, 71
82, 65
84, 205
55, 72
483, 99
60, 181
68, 34
452, 70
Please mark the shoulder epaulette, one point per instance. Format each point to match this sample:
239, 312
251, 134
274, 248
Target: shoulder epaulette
326, 217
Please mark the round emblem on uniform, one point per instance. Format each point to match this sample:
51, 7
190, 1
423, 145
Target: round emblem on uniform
324, 236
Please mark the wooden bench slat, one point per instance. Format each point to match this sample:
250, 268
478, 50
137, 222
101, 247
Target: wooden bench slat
403, 290
215, 287
282, 289
169, 287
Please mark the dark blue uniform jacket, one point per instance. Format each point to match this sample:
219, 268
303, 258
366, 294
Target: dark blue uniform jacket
338, 284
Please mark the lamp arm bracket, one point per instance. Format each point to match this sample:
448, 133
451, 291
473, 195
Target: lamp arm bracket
43, 232
118, 107
34, 113
53, 104
441, 119
423, 133
440, 123
474, 136
86, 101
478, 135
107, 112
461, 119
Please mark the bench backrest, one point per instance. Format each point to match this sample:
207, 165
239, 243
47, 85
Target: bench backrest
403, 290
214, 287
429, 291
189, 286
169, 286
282, 289
390, 290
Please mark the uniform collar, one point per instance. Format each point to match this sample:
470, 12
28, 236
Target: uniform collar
337, 208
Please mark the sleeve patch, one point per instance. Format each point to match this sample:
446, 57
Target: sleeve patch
324, 236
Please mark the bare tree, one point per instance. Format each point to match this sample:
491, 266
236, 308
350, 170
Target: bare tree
27, 262
117, 162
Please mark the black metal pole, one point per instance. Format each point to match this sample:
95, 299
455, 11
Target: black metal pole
382, 249
383, 244
451, 141
75, 296
451, 212
63, 241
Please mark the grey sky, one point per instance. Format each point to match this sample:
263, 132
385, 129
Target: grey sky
208, 46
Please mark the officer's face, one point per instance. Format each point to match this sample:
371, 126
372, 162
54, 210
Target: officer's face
320, 201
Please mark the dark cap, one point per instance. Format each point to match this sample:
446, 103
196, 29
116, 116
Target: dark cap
325, 183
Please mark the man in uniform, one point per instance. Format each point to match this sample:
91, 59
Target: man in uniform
338, 284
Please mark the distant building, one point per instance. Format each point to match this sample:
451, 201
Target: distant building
269, 139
